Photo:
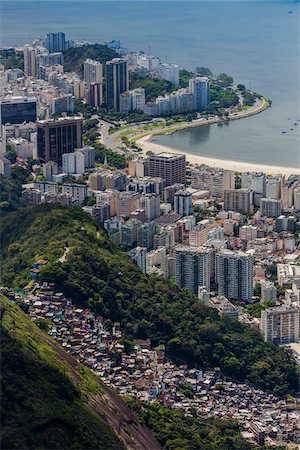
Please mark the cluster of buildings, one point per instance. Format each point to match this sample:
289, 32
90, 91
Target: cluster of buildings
144, 372
43, 90
150, 210
170, 224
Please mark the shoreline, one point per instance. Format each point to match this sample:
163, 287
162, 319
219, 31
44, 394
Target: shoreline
238, 166
252, 111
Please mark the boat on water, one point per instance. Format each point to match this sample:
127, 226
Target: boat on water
283, 132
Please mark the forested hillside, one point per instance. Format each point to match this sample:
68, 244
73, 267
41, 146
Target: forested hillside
74, 57
50, 401
98, 274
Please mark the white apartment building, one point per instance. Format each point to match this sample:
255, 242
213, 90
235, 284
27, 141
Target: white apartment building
73, 163
288, 273
280, 325
92, 71
248, 232
132, 100
234, 274
216, 181
268, 291
170, 72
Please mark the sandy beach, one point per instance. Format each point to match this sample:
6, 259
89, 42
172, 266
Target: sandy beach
147, 145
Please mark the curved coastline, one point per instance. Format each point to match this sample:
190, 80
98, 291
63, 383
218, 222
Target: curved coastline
252, 111
144, 140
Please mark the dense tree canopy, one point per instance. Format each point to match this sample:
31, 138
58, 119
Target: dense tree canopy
153, 87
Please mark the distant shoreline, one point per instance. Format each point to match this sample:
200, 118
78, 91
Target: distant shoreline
238, 166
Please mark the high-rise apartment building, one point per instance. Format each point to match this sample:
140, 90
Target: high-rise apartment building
151, 204
56, 137
170, 72
280, 325
92, 71
216, 181
193, 267
234, 274
239, 200
73, 163
55, 42
270, 207
30, 60
183, 203
146, 235
200, 88
132, 100
287, 191
95, 94
117, 82
138, 255
169, 166
273, 187
46, 60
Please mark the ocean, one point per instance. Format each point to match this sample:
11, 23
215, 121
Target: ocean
256, 42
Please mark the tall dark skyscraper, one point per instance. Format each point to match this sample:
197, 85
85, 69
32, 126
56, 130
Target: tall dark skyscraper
55, 137
117, 82
55, 42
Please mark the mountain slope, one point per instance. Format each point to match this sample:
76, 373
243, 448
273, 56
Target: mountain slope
50, 401
99, 275
74, 57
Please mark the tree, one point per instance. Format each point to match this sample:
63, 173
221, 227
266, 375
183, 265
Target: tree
225, 80
241, 87
203, 71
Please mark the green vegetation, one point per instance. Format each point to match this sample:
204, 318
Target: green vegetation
223, 97
175, 431
249, 98
11, 189
99, 275
153, 87
255, 309
203, 72
47, 397
11, 59
75, 57
111, 116
225, 80
184, 77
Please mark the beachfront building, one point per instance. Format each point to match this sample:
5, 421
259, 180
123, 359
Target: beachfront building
169, 166
214, 180
200, 88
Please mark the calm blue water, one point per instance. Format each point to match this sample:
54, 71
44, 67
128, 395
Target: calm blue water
256, 42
